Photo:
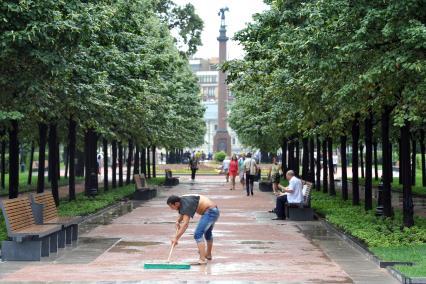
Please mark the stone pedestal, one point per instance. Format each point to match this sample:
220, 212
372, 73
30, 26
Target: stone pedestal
222, 142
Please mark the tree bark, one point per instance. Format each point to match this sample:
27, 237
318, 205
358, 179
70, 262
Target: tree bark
284, 164
67, 156
368, 204
355, 147
143, 161
324, 167
114, 163
30, 168
129, 161
387, 197
53, 143
361, 158
413, 160
91, 158
105, 151
408, 211
305, 159
72, 144
332, 189
390, 161
79, 167
58, 158
13, 160
154, 173
422, 150
42, 130
376, 166
148, 162
312, 161
343, 141
401, 173
120, 164
291, 163
318, 162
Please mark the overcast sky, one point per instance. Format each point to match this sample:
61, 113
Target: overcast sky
240, 12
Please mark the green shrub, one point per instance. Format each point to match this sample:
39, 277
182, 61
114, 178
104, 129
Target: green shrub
220, 156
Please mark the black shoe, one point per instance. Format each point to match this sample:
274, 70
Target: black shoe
252, 193
271, 211
278, 218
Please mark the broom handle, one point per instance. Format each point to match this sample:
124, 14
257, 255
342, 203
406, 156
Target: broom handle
171, 249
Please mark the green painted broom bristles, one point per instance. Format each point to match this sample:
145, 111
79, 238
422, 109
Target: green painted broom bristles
166, 266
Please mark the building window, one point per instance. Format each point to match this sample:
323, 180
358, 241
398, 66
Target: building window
209, 92
215, 127
207, 79
233, 141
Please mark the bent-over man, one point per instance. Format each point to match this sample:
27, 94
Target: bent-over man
187, 205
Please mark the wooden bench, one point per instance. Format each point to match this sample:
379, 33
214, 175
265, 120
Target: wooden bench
45, 212
141, 191
301, 211
170, 180
26, 239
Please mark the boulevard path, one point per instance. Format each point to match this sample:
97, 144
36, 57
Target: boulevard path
249, 246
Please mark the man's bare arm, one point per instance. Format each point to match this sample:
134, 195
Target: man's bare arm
182, 228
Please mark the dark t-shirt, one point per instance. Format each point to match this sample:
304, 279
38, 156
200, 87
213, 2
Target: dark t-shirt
188, 205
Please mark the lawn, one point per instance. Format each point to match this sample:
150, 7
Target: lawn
383, 236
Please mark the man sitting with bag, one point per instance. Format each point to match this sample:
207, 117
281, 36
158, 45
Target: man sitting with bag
291, 194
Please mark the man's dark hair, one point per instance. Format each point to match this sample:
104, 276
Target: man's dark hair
173, 199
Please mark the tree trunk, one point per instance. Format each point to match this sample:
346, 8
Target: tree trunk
72, 144
3, 164
137, 162
120, 164
42, 130
413, 160
91, 158
53, 143
114, 163
305, 159
422, 150
343, 140
284, 165
324, 167
148, 162
143, 161
67, 156
312, 161
390, 161
30, 168
129, 161
58, 159
376, 166
79, 167
361, 158
105, 151
291, 162
408, 211
332, 189
297, 157
355, 147
401, 174
318, 162
13, 160
368, 205
154, 173
387, 198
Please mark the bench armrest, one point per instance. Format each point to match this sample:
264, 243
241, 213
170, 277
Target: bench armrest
37, 209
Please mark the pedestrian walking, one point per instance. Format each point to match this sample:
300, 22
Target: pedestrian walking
233, 170
250, 168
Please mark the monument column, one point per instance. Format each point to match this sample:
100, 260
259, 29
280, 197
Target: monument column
222, 139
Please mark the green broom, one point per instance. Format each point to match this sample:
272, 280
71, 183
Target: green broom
167, 265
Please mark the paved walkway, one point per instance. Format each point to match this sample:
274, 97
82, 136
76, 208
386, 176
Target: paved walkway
249, 247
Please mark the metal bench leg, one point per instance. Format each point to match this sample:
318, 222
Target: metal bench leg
68, 232
27, 250
74, 237
53, 242
61, 238
45, 246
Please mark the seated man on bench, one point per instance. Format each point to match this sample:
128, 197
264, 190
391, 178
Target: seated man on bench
291, 194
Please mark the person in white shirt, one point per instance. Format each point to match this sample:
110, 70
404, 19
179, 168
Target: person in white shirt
291, 194
250, 168
225, 167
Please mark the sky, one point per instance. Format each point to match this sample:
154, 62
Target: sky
240, 13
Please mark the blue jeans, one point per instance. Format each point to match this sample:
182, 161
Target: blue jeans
206, 224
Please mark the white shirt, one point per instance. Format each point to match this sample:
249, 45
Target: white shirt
226, 164
296, 196
250, 165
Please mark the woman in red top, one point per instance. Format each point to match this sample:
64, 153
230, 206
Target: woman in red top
233, 170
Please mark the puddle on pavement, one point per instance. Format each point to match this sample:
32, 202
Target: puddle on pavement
132, 247
260, 247
160, 222
255, 242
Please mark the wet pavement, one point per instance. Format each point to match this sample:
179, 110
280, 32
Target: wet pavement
249, 246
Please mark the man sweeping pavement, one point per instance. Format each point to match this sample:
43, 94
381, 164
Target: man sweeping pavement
187, 206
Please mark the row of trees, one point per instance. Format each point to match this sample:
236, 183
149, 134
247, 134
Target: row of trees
335, 72
83, 72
